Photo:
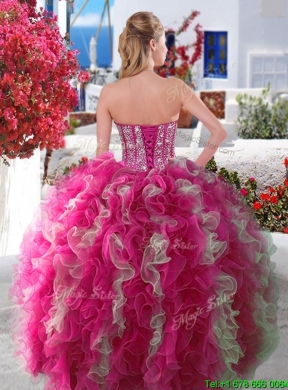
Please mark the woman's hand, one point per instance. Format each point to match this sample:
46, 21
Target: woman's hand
210, 149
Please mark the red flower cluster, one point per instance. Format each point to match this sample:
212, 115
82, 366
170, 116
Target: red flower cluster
271, 203
35, 69
83, 77
187, 22
31, 4
274, 195
72, 167
257, 205
270, 207
198, 44
181, 50
183, 70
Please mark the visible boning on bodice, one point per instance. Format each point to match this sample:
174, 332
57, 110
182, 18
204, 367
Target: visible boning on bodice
146, 147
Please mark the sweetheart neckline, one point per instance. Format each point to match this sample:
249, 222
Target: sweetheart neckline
160, 124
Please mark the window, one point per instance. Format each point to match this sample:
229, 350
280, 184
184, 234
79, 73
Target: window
215, 54
49, 5
268, 68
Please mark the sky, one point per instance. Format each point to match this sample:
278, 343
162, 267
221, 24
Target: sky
91, 14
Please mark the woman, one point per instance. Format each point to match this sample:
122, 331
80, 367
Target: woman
148, 273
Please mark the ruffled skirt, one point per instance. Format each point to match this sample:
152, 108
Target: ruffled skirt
140, 280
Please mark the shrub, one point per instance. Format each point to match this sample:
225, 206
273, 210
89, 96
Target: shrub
270, 207
259, 119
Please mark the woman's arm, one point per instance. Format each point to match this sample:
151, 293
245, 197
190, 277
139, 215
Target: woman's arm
104, 122
194, 104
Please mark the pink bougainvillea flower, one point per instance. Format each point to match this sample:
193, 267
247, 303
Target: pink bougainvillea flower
35, 69
83, 77
244, 192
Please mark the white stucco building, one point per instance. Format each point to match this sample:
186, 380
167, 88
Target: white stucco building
255, 36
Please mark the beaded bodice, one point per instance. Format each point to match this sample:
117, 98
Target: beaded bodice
146, 147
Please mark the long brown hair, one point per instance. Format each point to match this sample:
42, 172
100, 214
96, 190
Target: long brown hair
133, 47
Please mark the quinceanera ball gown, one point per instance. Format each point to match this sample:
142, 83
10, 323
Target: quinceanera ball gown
144, 274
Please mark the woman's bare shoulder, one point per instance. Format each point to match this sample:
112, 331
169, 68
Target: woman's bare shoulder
109, 90
174, 89
110, 87
170, 86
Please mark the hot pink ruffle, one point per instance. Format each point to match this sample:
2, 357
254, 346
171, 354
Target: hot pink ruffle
144, 280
